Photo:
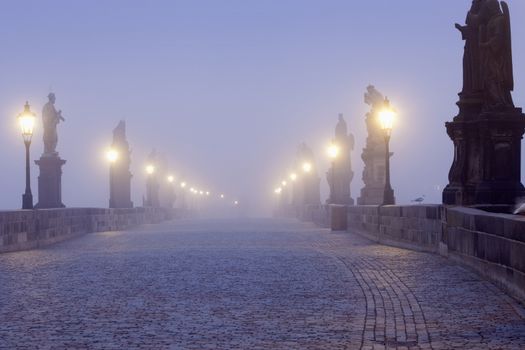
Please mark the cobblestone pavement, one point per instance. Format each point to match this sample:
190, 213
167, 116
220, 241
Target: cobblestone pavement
251, 284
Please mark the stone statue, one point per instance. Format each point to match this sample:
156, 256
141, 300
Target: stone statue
488, 130
120, 175
341, 130
374, 152
119, 133
496, 66
51, 118
340, 175
487, 60
471, 57
373, 97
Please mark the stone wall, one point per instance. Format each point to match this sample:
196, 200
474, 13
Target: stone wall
492, 244
415, 227
28, 229
318, 214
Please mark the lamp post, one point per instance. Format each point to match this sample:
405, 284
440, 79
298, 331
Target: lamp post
26, 120
386, 119
112, 157
333, 153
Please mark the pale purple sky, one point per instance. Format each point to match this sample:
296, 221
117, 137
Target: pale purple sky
227, 89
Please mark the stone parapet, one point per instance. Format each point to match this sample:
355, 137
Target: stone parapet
29, 229
490, 243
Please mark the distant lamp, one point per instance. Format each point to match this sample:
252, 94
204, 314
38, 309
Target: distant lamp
332, 151
112, 155
284, 183
182, 184
171, 178
222, 196
386, 118
150, 169
27, 120
307, 167
293, 176
207, 193
278, 190
236, 203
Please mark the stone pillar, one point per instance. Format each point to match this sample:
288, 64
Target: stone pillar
119, 173
50, 182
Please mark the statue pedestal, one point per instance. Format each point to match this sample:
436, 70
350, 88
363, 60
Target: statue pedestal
50, 182
120, 187
373, 193
487, 159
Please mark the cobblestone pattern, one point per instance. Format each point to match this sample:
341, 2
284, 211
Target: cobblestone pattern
259, 284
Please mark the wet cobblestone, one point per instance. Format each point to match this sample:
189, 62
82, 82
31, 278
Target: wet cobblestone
252, 284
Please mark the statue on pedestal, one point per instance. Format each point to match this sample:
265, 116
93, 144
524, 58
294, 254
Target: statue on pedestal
340, 174
488, 130
50, 164
374, 172
120, 175
152, 182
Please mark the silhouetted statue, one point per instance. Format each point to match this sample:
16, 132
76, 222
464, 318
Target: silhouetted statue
51, 118
373, 97
120, 176
119, 133
374, 172
471, 58
496, 49
340, 174
487, 61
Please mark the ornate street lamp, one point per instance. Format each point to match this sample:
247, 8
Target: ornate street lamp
386, 120
27, 120
333, 152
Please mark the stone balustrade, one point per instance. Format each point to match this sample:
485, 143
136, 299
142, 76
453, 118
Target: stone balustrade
490, 243
28, 229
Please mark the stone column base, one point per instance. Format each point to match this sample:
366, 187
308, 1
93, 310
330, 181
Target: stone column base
50, 182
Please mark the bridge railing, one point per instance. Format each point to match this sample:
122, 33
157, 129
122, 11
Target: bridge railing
490, 243
29, 229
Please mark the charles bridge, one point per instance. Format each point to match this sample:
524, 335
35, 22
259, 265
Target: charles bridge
344, 274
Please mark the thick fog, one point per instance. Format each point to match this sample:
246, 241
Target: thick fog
226, 90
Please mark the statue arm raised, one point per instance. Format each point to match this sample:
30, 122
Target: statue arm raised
463, 30
60, 116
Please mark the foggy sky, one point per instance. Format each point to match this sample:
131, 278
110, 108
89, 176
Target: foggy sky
228, 89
